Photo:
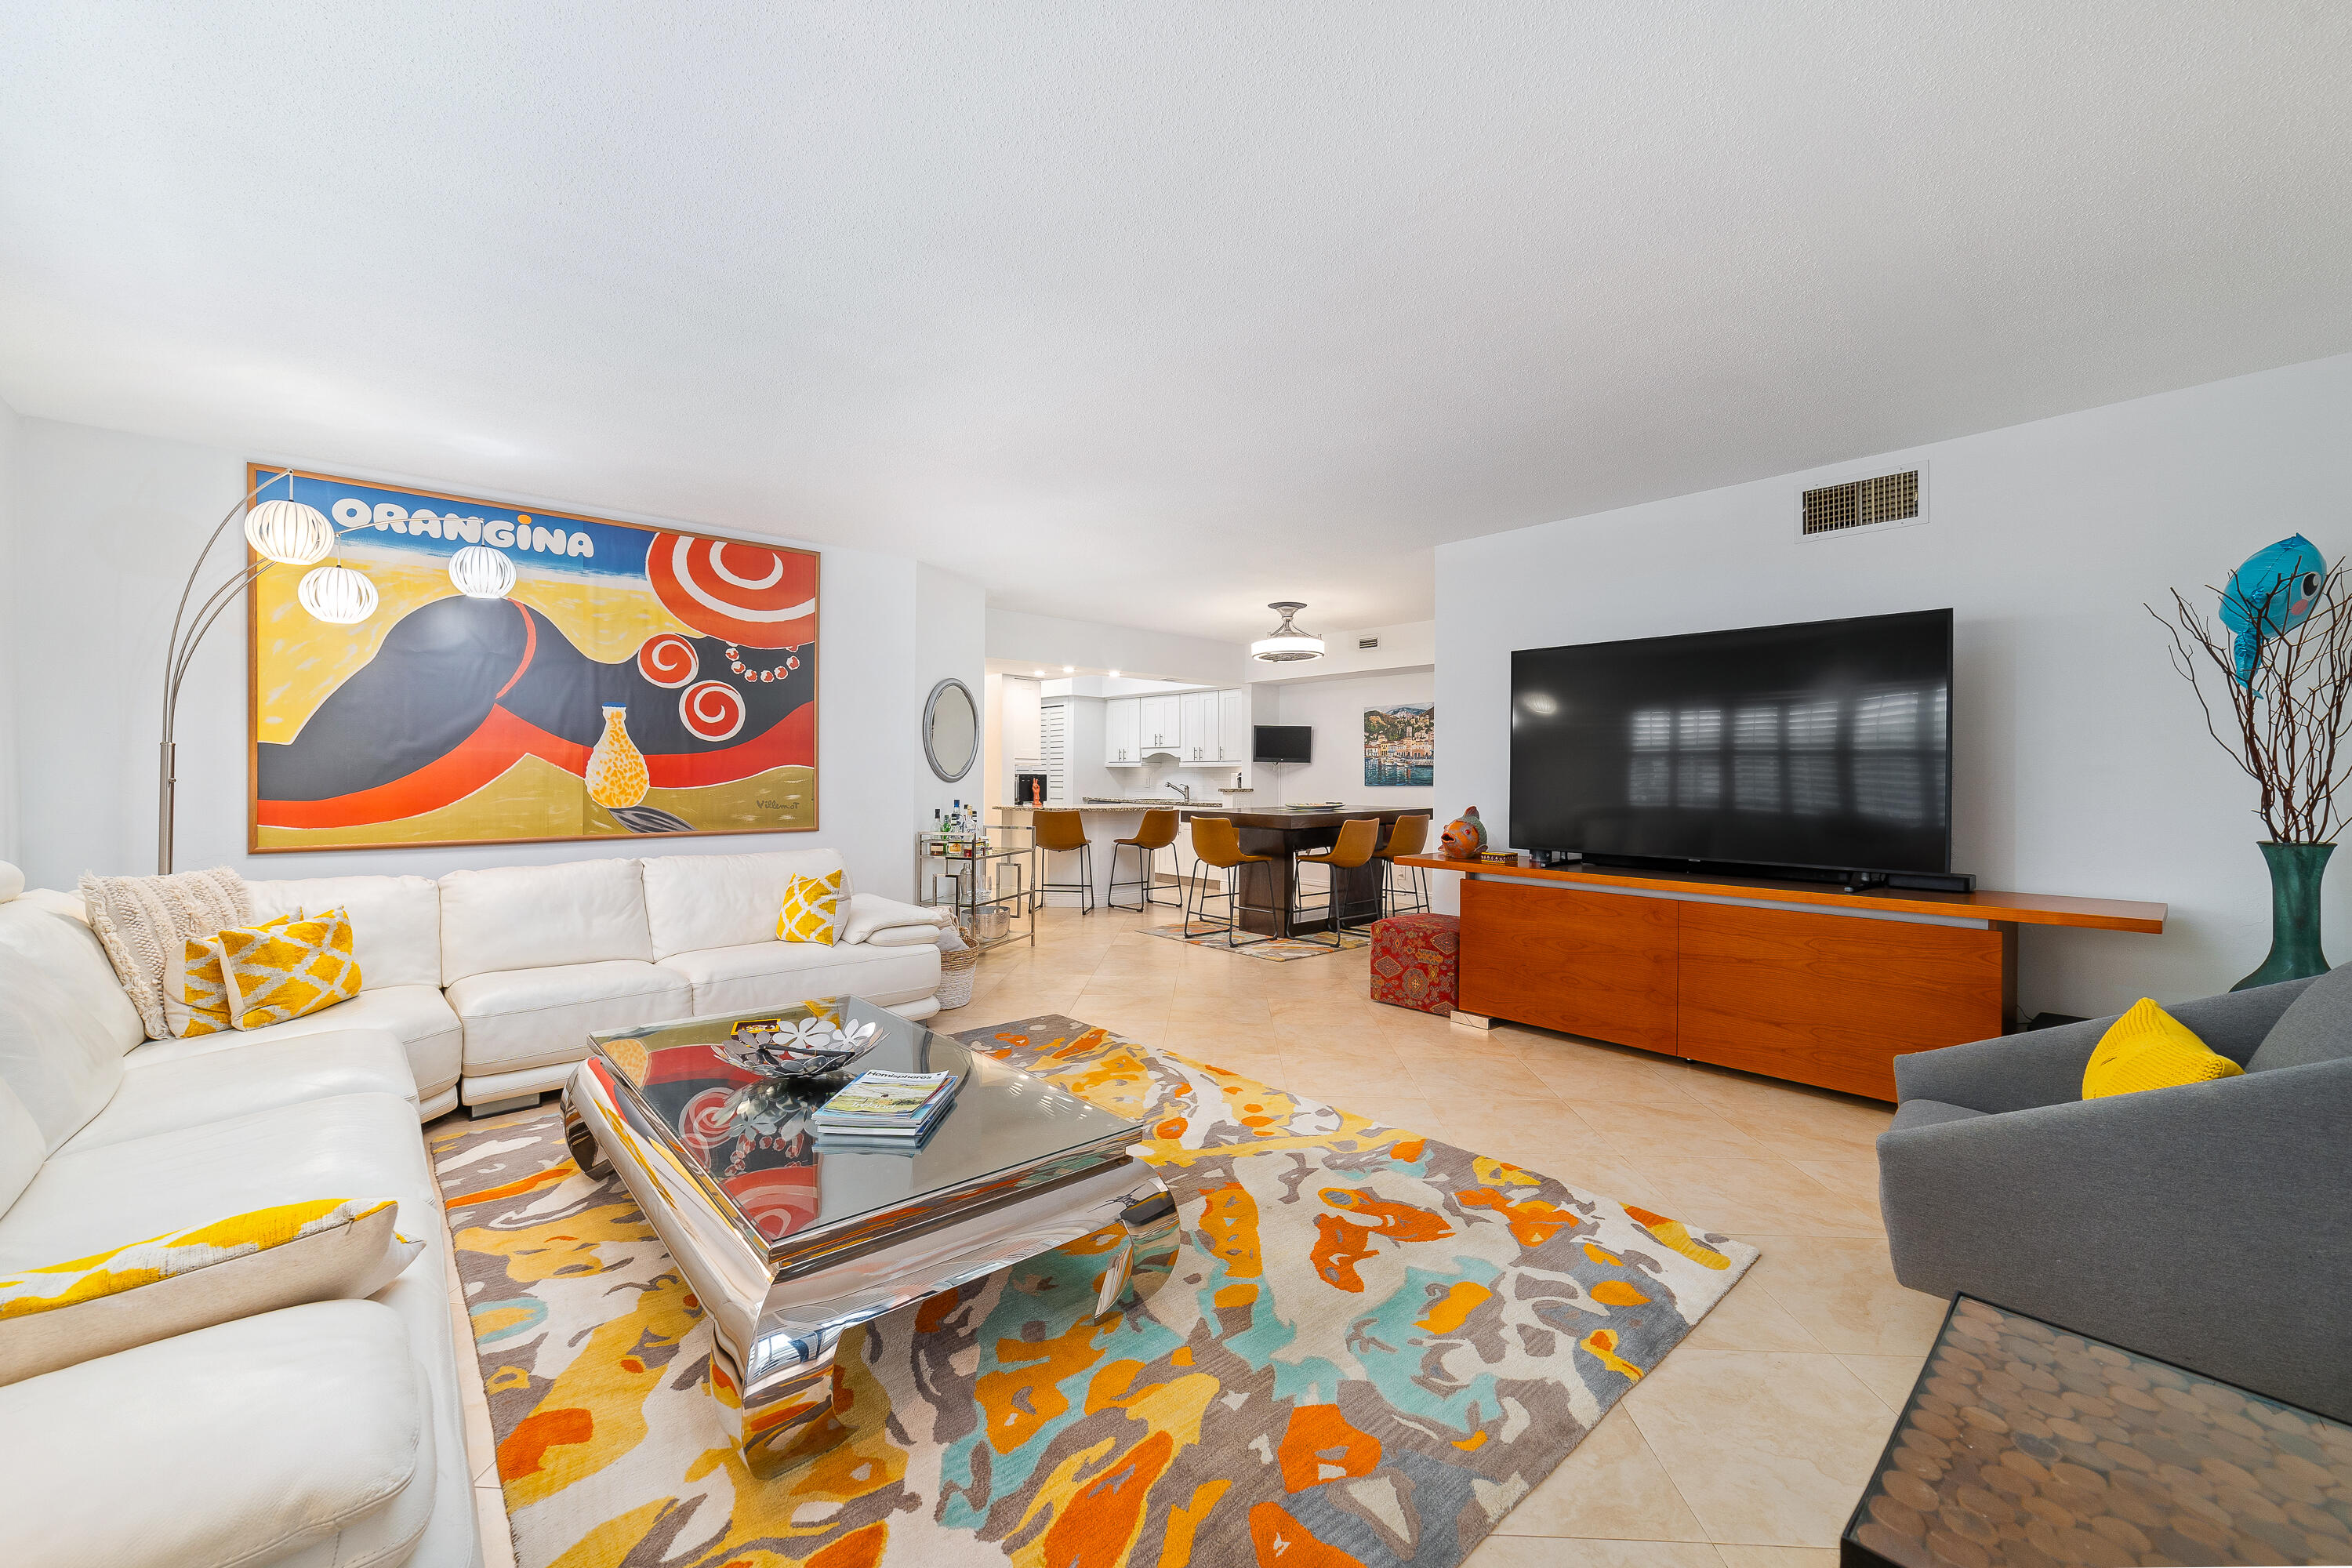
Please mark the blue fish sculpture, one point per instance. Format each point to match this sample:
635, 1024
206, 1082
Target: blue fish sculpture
2271, 593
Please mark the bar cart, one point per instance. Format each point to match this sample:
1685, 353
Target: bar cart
984, 877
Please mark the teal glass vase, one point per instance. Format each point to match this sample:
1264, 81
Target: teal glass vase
2295, 873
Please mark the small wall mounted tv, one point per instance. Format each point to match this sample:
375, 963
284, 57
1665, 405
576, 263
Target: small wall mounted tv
1282, 743
1816, 749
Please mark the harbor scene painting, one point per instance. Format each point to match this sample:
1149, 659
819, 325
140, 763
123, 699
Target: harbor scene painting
1399, 744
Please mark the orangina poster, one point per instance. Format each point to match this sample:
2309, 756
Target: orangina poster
638, 681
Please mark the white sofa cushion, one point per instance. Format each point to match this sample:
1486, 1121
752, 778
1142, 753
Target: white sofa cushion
536, 1017
251, 1440
533, 917
165, 1093
417, 1016
61, 1035
723, 901
395, 922
754, 975
22, 1146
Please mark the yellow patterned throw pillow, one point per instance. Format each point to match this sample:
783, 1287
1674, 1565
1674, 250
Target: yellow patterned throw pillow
322, 1250
811, 910
195, 1002
274, 974
2147, 1047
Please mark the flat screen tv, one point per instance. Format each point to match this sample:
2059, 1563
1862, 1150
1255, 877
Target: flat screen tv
1819, 748
1282, 743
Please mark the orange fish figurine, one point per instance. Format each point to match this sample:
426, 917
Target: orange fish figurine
1463, 837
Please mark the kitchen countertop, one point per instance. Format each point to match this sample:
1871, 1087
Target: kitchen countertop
1170, 804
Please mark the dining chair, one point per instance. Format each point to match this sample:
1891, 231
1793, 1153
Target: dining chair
1061, 832
1217, 842
1409, 836
1157, 833
1360, 836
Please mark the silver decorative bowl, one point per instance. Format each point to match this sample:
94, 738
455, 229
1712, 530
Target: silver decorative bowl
808, 1051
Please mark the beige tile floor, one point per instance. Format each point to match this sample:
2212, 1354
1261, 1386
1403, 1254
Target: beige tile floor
1747, 1447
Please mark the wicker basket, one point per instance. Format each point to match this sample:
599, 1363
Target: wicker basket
957, 971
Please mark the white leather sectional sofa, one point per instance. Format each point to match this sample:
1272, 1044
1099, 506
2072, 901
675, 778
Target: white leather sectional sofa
328, 1434
492, 979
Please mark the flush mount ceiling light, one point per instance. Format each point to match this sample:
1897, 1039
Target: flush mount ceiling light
1286, 643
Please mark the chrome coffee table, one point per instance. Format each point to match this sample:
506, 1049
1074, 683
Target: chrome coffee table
788, 1247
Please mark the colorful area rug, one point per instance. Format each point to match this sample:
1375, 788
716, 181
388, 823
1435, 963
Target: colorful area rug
1279, 949
1372, 1346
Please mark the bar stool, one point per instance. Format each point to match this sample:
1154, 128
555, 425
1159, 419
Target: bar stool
1359, 838
1409, 836
1217, 842
1157, 833
1059, 832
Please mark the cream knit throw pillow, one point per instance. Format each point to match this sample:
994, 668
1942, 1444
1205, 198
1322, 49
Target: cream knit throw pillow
142, 923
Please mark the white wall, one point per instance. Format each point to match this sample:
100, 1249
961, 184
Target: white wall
1336, 709
1049, 642
2081, 765
951, 630
107, 526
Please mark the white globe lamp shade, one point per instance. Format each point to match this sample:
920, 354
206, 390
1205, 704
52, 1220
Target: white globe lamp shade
289, 532
482, 572
337, 594
1286, 644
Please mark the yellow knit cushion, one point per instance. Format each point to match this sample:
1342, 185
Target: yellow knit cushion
195, 1000
274, 974
321, 1250
2147, 1047
811, 910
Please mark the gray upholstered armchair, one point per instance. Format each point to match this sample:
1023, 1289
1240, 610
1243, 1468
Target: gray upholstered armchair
2209, 1225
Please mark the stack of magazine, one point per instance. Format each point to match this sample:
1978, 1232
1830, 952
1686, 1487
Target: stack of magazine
885, 1112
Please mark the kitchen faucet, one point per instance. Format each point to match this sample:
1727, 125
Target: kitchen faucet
1185, 789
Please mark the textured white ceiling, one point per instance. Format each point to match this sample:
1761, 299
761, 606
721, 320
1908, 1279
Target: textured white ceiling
1152, 313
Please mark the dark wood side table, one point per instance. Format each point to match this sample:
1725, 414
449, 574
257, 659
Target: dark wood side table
2025, 1445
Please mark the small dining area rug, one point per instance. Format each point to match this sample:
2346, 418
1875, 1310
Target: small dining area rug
1276, 950
1373, 1344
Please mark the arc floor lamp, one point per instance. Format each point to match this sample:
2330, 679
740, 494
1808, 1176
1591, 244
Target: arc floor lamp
284, 531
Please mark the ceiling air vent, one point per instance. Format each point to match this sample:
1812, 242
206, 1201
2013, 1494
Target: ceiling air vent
1864, 503
1368, 642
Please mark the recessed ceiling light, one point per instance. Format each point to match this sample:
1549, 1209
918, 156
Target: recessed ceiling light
1069, 669
1114, 675
1038, 673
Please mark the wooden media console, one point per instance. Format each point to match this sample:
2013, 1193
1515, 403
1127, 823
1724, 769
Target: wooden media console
1750, 974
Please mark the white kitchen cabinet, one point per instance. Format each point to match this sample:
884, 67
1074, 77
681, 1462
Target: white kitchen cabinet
1197, 726
1122, 741
1160, 723
1233, 726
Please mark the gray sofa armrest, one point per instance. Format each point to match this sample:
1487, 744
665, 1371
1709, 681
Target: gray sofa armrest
2044, 1066
2209, 1224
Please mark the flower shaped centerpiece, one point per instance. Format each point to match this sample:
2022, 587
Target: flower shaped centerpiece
804, 1048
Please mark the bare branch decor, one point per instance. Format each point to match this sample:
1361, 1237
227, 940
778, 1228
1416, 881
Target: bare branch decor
2288, 715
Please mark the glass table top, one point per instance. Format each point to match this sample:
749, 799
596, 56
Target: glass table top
749, 1136
2023, 1446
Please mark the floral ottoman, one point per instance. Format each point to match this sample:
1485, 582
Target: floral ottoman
1415, 961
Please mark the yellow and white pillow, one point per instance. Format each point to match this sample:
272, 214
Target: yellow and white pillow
811, 910
271, 973
323, 1250
195, 1002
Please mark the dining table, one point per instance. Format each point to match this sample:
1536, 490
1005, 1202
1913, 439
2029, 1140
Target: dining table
1282, 833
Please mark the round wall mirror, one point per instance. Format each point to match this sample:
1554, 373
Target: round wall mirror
950, 729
